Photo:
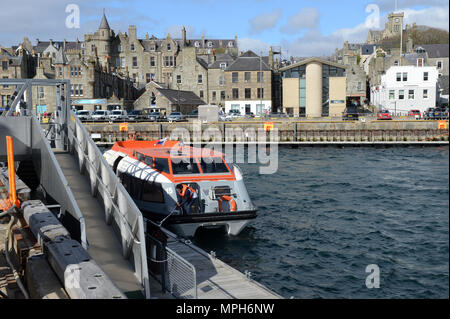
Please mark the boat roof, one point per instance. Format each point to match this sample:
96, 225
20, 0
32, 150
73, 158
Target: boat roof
163, 149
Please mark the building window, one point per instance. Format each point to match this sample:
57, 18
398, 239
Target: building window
4, 65
396, 63
152, 61
235, 93
210, 44
213, 95
135, 62
399, 77
71, 90
425, 76
60, 71
200, 79
119, 48
260, 77
152, 47
201, 94
41, 92
401, 94
169, 47
122, 62
405, 76
81, 90
411, 94
147, 77
223, 66
391, 95
132, 47
230, 44
419, 62
92, 47
71, 71
178, 79
439, 65
260, 93
197, 44
359, 86
247, 77
248, 93
222, 95
425, 94
221, 80
234, 77
5, 86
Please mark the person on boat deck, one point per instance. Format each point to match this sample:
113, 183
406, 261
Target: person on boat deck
188, 196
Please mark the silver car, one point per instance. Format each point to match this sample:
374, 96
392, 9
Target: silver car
175, 116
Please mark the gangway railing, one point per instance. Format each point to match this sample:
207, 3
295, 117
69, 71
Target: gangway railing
120, 210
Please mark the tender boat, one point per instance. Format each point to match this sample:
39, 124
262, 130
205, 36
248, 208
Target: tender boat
150, 171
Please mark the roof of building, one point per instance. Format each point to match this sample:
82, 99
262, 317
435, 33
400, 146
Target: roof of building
202, 63
443, 84
70, 45
221, 58
435, 50
249, 61
185, 97
61, 57
368, 49
412, 57
309, 60
104, 23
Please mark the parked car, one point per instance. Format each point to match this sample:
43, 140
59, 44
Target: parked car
232, 114
249, 115
440, 113
193, 114
175, 116
155, 117
350, 113
135, 115
416, 113
384, 115
429, 113
84, 115
101, 115
118, 115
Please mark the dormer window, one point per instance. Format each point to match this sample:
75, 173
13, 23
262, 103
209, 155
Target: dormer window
169, 48
152, 47
223, 66
210, 44
230, 44
197, 44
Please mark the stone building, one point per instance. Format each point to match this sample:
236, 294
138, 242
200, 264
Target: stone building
151, 58
216, 79
393, 28
436, 55
248, 85
15, 63
89, 81
159, 98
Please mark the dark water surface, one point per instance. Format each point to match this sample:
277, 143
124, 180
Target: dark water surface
328, 213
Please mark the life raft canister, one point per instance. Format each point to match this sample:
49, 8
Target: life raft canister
230, 200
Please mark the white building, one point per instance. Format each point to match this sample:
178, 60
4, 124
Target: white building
405, 88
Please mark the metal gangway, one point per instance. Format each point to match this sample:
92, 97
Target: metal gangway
95, 207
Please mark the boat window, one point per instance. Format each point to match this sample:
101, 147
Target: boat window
213, 165
140, 157
152, 192
135, 187
184, 166
149, 161
162, 164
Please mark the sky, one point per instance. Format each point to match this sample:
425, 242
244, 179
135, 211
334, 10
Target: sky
301, 28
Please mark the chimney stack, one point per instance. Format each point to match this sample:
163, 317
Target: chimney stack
183, 35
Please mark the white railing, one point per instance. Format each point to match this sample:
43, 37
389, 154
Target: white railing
120, 210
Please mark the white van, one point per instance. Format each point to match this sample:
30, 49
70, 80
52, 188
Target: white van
118, 115
101, 115
84, 115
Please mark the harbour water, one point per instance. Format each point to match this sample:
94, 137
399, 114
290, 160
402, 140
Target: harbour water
328, 213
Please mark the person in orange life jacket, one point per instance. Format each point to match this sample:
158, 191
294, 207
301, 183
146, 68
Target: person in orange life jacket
188, 196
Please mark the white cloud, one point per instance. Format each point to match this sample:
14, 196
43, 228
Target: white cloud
436, 17
264, 21
307, 18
